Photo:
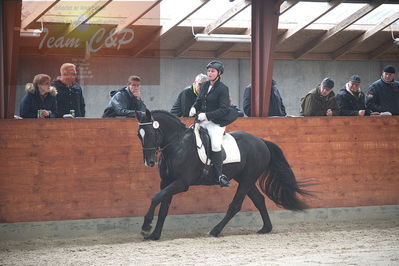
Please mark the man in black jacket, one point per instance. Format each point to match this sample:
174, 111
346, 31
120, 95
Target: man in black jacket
351, 100
383, 94
276, 106
187, 97
125, 102
69, 92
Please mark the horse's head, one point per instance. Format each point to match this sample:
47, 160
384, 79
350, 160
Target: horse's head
149, 135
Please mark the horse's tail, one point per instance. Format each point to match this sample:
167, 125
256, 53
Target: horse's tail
279, 182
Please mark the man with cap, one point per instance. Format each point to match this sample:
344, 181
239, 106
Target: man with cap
383, 94
351, 100
320, 101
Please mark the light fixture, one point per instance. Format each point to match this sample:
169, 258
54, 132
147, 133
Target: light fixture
31, 32
222, 38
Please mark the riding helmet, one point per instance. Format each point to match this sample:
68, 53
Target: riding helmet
216, 65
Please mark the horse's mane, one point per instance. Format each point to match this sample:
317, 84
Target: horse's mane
170, 115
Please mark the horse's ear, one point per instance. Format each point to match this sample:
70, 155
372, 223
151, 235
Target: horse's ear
139, 115
148, 114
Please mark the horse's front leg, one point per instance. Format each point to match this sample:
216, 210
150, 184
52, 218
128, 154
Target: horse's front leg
165, 195
163, 212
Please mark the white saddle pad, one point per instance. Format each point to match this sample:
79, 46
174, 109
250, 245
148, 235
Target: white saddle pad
229, 144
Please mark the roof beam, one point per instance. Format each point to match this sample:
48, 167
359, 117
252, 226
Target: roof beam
188, 43
139, 12
294, 31
229, 14
179, 18
41, 8
287, 6
365, 36
184, 14
88, 14
338, 28
224, 49
382, 49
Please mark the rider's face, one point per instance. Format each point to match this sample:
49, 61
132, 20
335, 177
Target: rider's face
212, 74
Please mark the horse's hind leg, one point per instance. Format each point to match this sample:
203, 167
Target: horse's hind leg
259, 200
234, 207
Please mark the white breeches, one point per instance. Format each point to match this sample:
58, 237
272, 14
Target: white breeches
215, 133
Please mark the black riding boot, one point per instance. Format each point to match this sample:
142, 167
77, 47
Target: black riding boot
217, 161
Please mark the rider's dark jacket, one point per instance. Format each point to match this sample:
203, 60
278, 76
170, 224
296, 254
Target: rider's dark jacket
123, 104
214, 104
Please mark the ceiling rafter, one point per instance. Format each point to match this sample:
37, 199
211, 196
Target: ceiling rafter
183, 15
136, 16
38, 12
229, 14
88, 14
308, 47
224, 49
294, 31
287, 5
211, 27
382, 49
366, 35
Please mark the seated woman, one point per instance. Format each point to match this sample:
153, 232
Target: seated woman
40, 99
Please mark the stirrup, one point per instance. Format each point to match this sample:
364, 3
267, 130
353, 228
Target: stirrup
223, 181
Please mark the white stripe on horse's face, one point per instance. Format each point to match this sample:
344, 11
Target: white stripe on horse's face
142, 133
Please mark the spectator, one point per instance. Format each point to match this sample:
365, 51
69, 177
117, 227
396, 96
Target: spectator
69, 96
126, 101
188, 96
320, 101
383, 94
351, 100
40, 99
276, 105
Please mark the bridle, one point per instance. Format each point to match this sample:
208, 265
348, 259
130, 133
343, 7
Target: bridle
158, 136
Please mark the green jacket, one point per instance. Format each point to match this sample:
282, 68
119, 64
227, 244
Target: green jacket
313, 104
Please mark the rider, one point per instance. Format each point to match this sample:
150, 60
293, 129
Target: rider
212, 108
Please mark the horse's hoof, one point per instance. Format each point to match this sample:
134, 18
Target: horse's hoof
265, 230
214, 233
145, 233
152, 237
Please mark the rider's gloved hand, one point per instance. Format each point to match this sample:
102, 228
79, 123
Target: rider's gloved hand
202, 117
192, 111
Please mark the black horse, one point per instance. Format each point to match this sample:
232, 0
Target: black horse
180, 167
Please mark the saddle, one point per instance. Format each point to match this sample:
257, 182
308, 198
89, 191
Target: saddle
230, 151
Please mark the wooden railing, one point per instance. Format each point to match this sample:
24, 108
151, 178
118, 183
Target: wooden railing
60, 169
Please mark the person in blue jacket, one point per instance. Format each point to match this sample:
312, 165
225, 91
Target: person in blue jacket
383, 94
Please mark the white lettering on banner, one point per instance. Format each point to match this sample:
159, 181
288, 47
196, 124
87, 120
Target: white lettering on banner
96, 42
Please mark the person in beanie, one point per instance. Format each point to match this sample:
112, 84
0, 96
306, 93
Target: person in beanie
320, 101
383, 94
351, 100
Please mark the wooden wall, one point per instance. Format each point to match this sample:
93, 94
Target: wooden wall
60, 169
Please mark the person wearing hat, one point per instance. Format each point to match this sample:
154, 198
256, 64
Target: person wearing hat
383, 94
320, 101
351, 100
212, 110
